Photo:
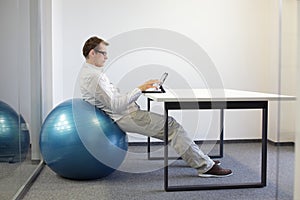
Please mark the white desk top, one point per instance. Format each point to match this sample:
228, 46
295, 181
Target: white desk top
186, 95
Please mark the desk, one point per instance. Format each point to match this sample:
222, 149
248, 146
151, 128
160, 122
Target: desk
182, 99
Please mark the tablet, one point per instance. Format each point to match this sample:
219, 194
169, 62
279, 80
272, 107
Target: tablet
160, 85
163, 78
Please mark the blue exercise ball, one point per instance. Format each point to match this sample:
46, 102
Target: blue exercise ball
80, 141
14, 135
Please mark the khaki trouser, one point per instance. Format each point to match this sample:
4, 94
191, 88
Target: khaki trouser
152, 124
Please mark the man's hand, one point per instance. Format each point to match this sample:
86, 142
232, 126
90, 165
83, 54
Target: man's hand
149, 84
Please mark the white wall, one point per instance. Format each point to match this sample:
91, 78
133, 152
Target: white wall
297, 146
15, 57
288, 69
239, 36
19, 77
9, 43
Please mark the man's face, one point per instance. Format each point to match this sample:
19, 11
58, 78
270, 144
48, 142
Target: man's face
100, 55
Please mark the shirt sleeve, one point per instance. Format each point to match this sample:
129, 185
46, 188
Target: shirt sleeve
110, 96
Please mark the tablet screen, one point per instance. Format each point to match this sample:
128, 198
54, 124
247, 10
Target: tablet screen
163, 78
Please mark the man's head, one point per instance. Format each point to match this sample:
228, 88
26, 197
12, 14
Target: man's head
94, 51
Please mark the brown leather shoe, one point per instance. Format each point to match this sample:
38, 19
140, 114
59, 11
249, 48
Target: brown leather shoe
216, 171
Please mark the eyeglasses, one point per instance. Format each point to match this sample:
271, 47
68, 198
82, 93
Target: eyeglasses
104, 53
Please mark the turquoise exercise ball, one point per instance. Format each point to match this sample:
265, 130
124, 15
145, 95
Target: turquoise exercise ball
14, 135
80, 141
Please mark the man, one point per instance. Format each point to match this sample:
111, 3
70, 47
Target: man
122, 108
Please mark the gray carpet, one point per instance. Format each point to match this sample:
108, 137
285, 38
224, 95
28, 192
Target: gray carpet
243, 159
14, 175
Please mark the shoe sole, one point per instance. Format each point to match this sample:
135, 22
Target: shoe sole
213, 176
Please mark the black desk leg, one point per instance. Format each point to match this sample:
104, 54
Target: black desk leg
148, 139
221, 132
264, 144
166, 156
263, 105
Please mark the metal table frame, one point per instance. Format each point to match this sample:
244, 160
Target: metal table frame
221, 140
221, 105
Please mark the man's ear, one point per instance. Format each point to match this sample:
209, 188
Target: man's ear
92, 53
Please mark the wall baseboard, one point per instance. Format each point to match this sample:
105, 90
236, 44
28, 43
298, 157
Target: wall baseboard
281, 143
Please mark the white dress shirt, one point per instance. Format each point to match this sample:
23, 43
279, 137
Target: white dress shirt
96, 88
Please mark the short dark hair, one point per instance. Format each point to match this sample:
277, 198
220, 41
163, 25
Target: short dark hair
90, 44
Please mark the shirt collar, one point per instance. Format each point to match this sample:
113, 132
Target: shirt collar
93, 66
